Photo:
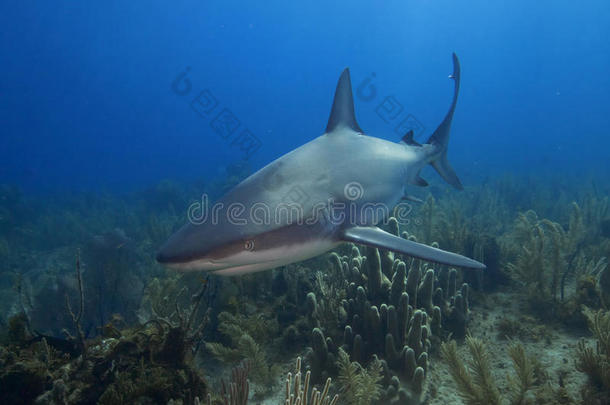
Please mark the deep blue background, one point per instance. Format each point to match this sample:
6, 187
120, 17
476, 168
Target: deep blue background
86, 99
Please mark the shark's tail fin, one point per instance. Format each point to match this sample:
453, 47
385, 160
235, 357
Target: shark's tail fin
440, 138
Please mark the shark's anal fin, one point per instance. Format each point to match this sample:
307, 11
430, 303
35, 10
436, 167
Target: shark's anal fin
342, 114
373, 236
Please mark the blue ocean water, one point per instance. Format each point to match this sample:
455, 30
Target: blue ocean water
87, 102
117, 118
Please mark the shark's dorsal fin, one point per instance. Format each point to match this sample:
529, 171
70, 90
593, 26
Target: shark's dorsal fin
342, 113
408, 139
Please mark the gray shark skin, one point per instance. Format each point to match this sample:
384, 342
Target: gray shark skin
326, 172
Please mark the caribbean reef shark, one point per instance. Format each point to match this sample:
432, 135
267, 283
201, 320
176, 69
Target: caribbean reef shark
316, 197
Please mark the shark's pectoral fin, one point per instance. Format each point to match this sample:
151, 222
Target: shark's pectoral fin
373, 236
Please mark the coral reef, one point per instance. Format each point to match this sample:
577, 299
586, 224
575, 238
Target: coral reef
246, 337
595, 362
389, 314
297, 393
373, 320
237, 391
547, 258
477, 382
130, 368
359, 386
150, 363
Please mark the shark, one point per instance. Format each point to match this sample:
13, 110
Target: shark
324, 193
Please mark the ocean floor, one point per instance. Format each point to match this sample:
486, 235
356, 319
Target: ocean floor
553, 346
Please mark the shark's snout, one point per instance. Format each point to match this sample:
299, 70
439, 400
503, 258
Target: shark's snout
192, 248
168, 255
163, 257
176, 257
179, 248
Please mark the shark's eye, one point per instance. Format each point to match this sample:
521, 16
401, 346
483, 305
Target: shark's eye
249, 245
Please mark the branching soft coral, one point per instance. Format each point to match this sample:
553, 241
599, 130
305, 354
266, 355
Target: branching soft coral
476, 384
241, 332
596, 362
547, 256
524, 378
359, 386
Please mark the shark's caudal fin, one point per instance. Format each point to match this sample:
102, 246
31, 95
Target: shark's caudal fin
342, 114
373, 236
440, 137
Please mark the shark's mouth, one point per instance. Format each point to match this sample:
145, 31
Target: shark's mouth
235, 262
249, 261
